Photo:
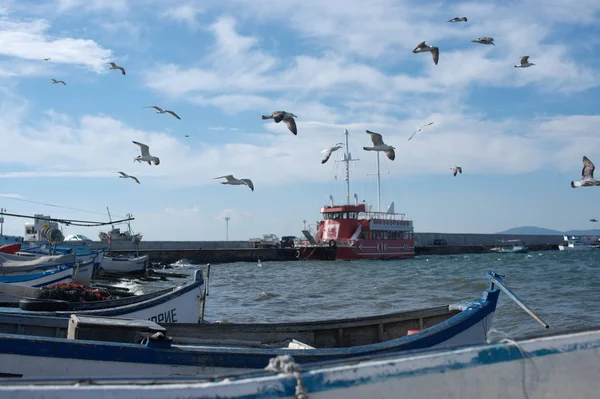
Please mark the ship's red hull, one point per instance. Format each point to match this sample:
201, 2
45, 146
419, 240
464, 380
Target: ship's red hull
361, 249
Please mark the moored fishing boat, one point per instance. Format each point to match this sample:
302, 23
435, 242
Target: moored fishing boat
36, 272
574, 244
180, 304
125, 264
195, 354
86, 270
562, 365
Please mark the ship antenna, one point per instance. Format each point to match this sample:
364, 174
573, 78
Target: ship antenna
347, 159
378, 182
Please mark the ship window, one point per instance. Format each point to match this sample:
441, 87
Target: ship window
29, 230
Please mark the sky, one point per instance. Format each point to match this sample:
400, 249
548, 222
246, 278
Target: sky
519, 134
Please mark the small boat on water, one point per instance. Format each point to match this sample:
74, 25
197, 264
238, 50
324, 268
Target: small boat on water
511, 247
575, 244
125, 264
213, 349
181, 304
562, 365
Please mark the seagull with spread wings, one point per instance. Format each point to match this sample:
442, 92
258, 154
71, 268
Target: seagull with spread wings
524, 62
287, 117
423, 48
419, 129
327, 152
456, 169
587, 175
126, 176
229, 179
485, 40
146, 157
54, 81
458, 19
379, 145
115, 66
159, 110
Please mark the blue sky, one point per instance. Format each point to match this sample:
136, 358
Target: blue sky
519, 134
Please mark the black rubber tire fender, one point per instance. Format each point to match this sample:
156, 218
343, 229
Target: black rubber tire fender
43, 305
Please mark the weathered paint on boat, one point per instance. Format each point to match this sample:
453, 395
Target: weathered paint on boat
43, 356
559, 366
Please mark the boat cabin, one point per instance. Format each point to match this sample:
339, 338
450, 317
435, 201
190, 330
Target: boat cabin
354, 222
33, 230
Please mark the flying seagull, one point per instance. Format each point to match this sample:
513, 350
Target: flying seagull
146, 157
524, 62
46, 59
327, 152
58, 81
423, 48
587, 175
236, 182
115, 66
159, 110
593, 220
379, 145
458, 19
456, 169
287, 117
484, 40
419, 129
125, 176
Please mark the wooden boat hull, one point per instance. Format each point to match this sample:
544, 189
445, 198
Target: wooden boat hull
559, 366
173, 305
124, 265
83, 254
42, 356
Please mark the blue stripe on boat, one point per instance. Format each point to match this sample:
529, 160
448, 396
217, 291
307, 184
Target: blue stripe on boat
18, 278
242, 357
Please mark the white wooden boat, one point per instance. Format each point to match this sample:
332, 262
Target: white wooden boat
82, 253
194, 355
563, 365
124, 264
36, 272
575, 244
181, 304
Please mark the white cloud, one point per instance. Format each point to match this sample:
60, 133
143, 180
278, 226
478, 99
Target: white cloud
29, 41
11, 195
184, 13
92, 5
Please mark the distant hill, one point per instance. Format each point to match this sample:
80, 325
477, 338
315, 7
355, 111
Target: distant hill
534, 230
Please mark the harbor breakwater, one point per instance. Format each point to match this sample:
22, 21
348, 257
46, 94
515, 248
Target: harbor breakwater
242, 251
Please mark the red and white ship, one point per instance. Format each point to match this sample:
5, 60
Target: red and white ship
351, 232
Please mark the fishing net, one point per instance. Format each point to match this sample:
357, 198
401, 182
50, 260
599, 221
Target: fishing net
72, 293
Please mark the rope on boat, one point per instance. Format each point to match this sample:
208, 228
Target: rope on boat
285, 364
508, 340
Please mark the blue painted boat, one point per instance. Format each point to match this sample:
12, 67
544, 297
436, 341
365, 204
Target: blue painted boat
83, 254
189, 354
563, 365
36, 272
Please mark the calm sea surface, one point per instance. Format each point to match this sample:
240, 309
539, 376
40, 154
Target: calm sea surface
561, 287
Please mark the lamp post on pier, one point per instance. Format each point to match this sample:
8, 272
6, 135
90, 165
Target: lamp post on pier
2, 210
227, 218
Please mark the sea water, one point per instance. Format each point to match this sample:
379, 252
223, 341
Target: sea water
560, 287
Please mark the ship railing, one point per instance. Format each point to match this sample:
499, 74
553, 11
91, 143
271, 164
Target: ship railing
382, 215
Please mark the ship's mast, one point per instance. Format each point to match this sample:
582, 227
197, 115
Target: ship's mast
347, 159
378, 174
